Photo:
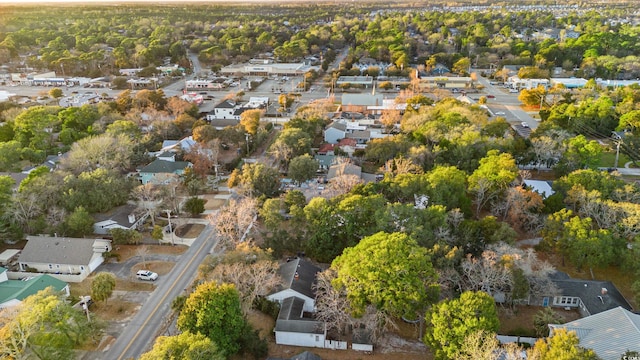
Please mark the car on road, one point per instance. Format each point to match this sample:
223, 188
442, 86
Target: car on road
500, 113
513, 91
146, 275
491, 96
524, 124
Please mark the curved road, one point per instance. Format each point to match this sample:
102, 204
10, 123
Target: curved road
141, 331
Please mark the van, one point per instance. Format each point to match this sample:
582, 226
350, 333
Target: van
146, 275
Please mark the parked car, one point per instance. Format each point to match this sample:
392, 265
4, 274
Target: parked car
146, 275
513, 91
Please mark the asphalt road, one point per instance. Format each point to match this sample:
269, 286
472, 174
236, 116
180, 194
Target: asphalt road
141, 331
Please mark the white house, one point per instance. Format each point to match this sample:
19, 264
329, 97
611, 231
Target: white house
59, 255
292, 328
298, 277
609, 334
334, 132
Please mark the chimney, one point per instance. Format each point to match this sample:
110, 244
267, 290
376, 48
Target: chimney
296, 276
132, 218
604, 291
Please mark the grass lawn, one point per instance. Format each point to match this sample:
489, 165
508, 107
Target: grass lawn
608, 159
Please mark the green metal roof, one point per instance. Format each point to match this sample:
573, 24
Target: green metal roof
21, 289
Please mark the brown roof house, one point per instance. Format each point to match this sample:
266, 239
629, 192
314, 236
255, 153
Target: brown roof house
64, 256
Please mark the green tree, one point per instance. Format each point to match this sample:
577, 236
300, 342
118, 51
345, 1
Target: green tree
260, 179
462, 66
185, 346
302, 168
102, 286
563, 345
44, 326
580, 153
494, 175
195, 206
56, 93
125, 236
390, 271
10, 152
543, 318
157, 233
451, 321
290, 143
214, 311
79, 223
125, 127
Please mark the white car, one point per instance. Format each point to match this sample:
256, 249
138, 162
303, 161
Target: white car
524, 124
146, 275
500, 113
513, 91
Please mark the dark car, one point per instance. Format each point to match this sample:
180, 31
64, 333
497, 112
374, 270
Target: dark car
491, 97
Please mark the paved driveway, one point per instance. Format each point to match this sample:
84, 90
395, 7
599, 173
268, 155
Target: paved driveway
122, 270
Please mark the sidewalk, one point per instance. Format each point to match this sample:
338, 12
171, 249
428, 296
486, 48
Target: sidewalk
169, 238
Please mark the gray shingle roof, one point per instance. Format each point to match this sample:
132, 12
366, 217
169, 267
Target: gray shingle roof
591, 293
165, 167
290, 318
306, 276
57, 250
609, 334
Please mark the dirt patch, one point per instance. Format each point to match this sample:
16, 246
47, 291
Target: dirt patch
160, 267
261, 322
126, 252
213, 203
115, 309
189, 231
391, 347
519, 320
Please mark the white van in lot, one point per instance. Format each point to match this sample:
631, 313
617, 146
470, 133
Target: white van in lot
146, 275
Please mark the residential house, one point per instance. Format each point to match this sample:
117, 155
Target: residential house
348, 146
59, 255
162, 171
298, 277
13, 292
439, 70
295, 325
588, 296
126, 217
610, 334
360, 102
293, 328
184, 144
344, 169
224, 110
334, 132
360, 136
325, 155
540, 186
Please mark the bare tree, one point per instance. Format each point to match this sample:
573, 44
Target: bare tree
251, 279
234, 221
149, 197
480, 345
332, 306
143, 251
342, 184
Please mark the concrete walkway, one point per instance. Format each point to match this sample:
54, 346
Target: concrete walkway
169, 238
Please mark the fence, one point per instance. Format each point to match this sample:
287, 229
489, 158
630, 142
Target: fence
18, 275
335, 345
505, 339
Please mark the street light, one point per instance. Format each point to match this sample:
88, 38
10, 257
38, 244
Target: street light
246, 137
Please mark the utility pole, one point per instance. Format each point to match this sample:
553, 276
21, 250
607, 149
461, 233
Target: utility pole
246, 137
170, 227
